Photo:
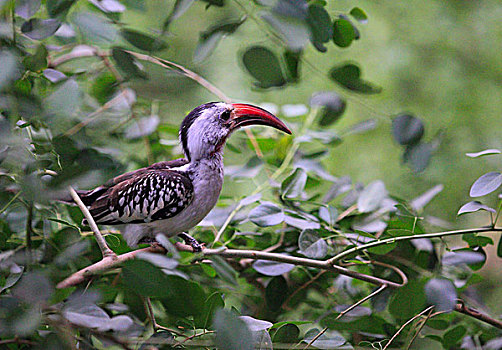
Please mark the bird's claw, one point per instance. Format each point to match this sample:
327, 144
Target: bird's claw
192, 242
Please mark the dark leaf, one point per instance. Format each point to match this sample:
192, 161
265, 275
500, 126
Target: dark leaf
143, 41
407, 129
213, 303
179, 8
486, 152
344, 32
499, 248
218, 3
359, 15
12, 279
294, 31
33, 289
473, 207
58, 7
408, 300
95, 28
349, 76
39, 29
276, 293
38, 60
27, 8
287, 334
126, 62
292, 60
9, 68
293, 185
291, 8
272, 268
209, 39
264, 66
144, 278
231, 332
321, 28
312, 245
453, 336
331, 105
266, 214
486, 184
185, 298
418, 156
441, 293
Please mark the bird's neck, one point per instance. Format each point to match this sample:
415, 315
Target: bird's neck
212, 163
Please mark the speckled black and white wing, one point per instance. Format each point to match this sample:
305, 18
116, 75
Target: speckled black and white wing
149, 196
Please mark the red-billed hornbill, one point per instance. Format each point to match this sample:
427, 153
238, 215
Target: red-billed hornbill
171, 197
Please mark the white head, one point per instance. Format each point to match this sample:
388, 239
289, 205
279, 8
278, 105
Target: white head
204, 130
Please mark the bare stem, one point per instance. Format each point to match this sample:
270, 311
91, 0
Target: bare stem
105, 250
460, 307
353, 306
405, 324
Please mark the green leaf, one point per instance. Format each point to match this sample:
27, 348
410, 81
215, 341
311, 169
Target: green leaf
321, 27
56, 8
34, 288
209, 39
39, 29
185, 298
312, 245
287, 334
179, 8
231, 332
212, 304
27, 8
441, 293
95, 28
38, 60
475, 240
359, 15
453, 336
349, 76
344, 32
486, 184
328, 214
293, 185
407, 129
224, 270
486, 152
276, 293
12, 279
474, 206
331, 106
126, 62
499, 248
418, 156
292, 60
408, 300
145, 279
143, 41
266, 214
371, 197
264, 66
272, 268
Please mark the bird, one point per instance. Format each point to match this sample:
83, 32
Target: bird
171, 197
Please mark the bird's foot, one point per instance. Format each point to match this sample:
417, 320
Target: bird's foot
148, 240
192, 242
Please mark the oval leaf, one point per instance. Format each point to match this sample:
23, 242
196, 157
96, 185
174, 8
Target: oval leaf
407, 129
331, 104
266, 214
143, 41
272, 268
487, 183
486, 152
473, 207
231, 332
349, 76
293, 185
344, 32
441, 293
312, 245
463, 257
264, 66
39, 29
371, 197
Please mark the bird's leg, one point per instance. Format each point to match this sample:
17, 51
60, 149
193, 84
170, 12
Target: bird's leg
192, 242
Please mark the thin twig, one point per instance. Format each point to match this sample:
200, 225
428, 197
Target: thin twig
195, 335
419, 329
104, 265
302, 287
353, 306
318, 335
408, 238
405, 324
105, 250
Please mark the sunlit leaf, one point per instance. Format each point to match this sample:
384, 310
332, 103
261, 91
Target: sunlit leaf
293, 185
272, 268
371, 197
486, 184
441, 293
266, 214
344, 32
27, 8
312, 245
329, 340
463, 257
486, 152
474, 206
359, 15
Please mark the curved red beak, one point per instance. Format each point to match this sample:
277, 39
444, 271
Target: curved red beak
245, 114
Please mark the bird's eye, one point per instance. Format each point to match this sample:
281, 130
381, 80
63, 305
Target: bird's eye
225, 115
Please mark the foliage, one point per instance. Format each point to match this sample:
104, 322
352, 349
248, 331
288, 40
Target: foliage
80, 103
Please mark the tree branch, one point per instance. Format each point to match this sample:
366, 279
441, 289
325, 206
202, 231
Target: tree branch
460, 307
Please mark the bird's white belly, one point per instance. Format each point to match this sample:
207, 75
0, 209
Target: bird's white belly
207, 187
